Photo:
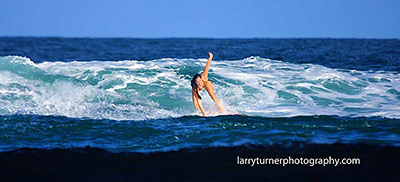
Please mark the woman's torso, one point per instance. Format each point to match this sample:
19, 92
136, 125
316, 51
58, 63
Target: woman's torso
205, 81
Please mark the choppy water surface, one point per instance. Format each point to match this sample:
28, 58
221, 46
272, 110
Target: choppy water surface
145, 105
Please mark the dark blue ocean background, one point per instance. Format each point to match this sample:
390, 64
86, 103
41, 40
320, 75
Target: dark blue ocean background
126, 94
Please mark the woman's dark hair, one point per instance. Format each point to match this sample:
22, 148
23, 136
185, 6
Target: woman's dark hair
194, 84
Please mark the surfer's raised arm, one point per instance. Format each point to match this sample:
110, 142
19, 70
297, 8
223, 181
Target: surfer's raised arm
205, 73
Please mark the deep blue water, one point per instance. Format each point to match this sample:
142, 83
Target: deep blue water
134, 94
359, 54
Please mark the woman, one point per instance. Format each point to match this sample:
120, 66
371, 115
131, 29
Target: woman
201, 81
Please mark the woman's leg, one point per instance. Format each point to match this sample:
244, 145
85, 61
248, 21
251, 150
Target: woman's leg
210, 89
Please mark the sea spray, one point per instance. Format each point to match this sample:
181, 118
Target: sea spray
138, 90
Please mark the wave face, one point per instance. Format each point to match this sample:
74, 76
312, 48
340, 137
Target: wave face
146, 105
139, 90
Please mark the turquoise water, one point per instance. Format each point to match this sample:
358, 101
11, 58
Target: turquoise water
132, 105
134, 94
140, 90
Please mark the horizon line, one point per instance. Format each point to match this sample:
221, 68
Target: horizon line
172, 37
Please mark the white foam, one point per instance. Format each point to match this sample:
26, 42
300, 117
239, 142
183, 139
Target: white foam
132, 89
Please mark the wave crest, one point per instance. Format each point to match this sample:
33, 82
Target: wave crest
160, 88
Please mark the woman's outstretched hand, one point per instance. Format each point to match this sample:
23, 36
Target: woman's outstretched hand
210, 54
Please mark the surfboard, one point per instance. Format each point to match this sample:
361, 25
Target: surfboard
236, 114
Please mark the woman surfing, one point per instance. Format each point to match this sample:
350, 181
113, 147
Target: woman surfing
201, 81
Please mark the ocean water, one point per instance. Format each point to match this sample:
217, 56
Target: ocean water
135, 94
